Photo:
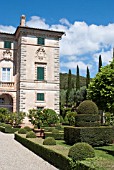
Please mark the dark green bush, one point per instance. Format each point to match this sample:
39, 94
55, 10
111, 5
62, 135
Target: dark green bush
87, 107
22, 131
81, 151
95, 136
30, 134
87, 120
27, 128
49, 141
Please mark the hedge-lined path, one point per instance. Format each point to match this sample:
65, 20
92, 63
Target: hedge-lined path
14, 156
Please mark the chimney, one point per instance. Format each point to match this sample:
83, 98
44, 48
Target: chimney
22, 21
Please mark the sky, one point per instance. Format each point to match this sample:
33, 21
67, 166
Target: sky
88, 27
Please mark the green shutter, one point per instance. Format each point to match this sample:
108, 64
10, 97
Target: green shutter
7, 44
40, 96
40, 41
40, 73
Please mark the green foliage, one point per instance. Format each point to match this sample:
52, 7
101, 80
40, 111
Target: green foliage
27, 128
42, 117
49, 141
9, 117
87, 120
81, 151
30, 134
22, 131
87, 107
101, 88
109, 118
77, 79
95, 136
87, 77
69, 86
71, 117
100, 63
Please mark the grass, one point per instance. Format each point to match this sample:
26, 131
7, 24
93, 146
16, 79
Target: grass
102, 161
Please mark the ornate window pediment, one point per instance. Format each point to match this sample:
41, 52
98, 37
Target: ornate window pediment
7, 55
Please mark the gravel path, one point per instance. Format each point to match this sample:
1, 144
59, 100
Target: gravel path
14, 156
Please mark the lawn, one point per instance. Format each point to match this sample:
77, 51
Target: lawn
102, 160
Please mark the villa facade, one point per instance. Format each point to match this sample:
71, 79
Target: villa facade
29, 68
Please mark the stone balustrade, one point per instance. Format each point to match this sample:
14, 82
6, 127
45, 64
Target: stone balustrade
7, 84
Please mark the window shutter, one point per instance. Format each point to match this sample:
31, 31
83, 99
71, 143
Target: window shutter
40, 41
7, 44
40, 96
40, 73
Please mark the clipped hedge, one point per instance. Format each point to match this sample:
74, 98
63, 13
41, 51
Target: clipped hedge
8, 129
22, 131
81, 151
49, 141
87, 120
54, 158
30, 134
95, 136
87, 107
57, 136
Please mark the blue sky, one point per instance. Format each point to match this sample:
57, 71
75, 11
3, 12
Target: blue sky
88, 24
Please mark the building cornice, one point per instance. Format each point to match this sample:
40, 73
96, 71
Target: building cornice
24, 31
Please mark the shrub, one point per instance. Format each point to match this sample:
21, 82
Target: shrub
27, 128
55, 131
22, 131
56, 136
95, 136
81, 151
49, 141
8, 128
30, 134
87, 107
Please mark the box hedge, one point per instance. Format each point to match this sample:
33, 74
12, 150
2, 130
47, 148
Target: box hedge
57, 136
56, 159
95, 136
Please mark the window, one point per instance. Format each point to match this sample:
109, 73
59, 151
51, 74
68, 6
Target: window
7, 44
1, 100
40, 73
40, 96
5, 74
40, 41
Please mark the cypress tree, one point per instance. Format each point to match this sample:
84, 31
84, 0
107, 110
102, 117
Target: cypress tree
100, 63
69, 86
87, 78
77, 79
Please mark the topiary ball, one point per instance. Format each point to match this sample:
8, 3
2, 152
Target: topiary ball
27, 128
30, 134
22, 131
81, 151
49, 141
87, 107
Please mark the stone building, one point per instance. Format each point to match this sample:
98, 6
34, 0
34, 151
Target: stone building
29, 68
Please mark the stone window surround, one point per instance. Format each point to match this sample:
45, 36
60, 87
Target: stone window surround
37, 64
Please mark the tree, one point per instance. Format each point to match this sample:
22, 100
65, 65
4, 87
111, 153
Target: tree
69, 86
101, 88
77, 79
87, 77
100, 63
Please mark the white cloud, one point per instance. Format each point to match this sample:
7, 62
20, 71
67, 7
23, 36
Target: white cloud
7, 29
105, 55
37, 22
73, 65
